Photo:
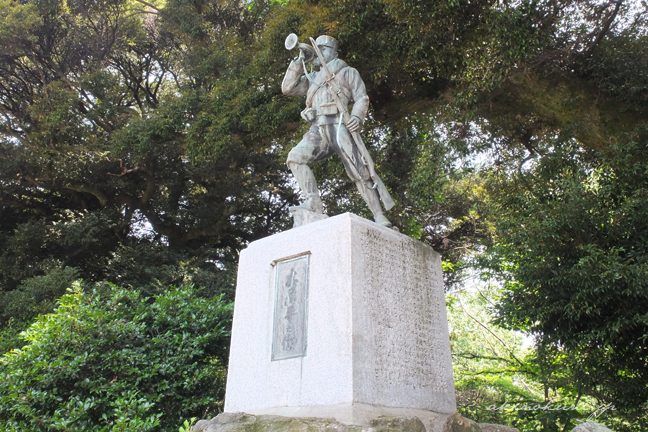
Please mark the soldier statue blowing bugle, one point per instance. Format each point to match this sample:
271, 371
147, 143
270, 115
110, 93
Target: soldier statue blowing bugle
334, 130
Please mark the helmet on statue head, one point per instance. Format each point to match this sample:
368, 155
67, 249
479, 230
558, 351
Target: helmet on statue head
327, 41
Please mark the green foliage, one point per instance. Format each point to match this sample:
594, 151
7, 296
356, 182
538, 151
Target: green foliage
99, 122
35, 296
112, 359
488, 362
43, 257
187, 425
572, 248
500, 378
37, 246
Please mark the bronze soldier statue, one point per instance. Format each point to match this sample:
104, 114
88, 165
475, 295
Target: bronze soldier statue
334, 130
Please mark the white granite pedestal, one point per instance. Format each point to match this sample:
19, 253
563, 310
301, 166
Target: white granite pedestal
340, 318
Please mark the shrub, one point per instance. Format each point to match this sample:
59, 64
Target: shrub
114, 360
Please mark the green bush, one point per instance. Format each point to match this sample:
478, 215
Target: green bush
34, 296
114, 360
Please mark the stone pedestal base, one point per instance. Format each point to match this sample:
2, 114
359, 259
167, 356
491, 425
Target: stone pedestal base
241, 422
340, 318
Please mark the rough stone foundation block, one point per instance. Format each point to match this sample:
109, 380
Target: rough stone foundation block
241, 422
339, 318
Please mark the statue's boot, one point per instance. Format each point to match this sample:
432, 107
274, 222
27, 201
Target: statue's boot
372, 199
313, 203
308, 185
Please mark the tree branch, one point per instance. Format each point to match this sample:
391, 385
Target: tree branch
95, 191
145, 3
492, 333
125, 171
15, 202
606, 27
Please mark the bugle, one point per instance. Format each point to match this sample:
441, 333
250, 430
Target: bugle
292, 42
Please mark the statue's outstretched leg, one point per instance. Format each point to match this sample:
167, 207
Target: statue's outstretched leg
308, 185
372, 199
309, 150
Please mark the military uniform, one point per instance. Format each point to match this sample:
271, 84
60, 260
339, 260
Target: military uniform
321, 140
328, 133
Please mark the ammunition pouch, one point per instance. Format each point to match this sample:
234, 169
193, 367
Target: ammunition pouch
328, 109
309, 114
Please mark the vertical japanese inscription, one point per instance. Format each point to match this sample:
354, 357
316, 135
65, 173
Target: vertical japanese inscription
405, 314
291, 308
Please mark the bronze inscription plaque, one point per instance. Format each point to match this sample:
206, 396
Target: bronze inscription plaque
291, 308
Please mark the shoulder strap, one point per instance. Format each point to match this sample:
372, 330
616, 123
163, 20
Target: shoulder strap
341, 86
310, 97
